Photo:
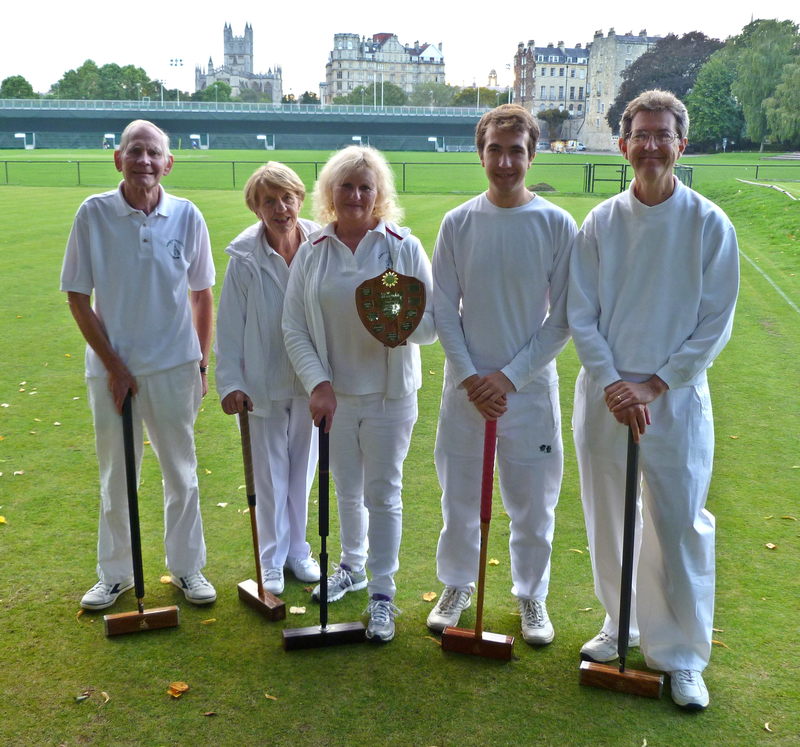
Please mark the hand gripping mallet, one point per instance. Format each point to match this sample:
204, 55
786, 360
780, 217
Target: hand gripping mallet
478, 642
252, 593
324, 634
594, 674
142, 620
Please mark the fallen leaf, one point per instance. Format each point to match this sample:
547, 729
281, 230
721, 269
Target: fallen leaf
241, 487
308, 589
165, 579
3, 518
68, 355
106, 697
80, 612
207, 471
146, 443
494, 561
432, 373
74, 398
718, 630
19, 472
81, 697
770, 546
210, 713
222, 505
644, 743
22, 383
21, 389
720, 643
575, 549
429, 596
209, 621
585, 609
766, 727
176, 689
435, 640
5, 404
270, 697
767, 518
734, 437
790, 518
297, 610
37, 420
56, 423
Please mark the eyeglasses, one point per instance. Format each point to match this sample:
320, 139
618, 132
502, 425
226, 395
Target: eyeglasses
660, 138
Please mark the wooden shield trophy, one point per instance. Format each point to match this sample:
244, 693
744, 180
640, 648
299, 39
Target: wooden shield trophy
390, 306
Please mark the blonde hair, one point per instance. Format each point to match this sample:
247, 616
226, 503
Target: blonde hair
272, 175
345, 162
135, 125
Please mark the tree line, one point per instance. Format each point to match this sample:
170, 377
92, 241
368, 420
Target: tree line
743, 91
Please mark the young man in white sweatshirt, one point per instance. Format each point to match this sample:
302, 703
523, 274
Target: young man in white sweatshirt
500, 279
653, 284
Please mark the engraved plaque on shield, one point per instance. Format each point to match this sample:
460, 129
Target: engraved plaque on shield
390, 306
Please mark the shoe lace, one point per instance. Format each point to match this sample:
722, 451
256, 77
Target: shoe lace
381, 611
686, 676
272, 574
195, 581
453, 599
532, 613
340, 577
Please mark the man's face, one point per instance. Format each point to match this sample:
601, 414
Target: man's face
143, 162
651, 160
505, 158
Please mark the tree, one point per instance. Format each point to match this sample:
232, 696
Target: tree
288, 98
218, 91
783, 109
554, 118
478, 97
714, 113
432, 94
761, 50
671, 65
309, 97
110, 82
16, 87
386, 94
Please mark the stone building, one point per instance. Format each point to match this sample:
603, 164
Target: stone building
608, 57
360, 61
551, 77
237, 69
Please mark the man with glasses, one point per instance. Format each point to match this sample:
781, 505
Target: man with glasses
653, 283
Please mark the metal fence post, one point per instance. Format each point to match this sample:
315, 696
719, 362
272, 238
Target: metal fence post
78, 164
404, 176
233, 171
6, 165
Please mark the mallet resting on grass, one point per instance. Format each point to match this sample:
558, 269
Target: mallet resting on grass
252, 593
619, 679
477, 641
141, 620
323, 634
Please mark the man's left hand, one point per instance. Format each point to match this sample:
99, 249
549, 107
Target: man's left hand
490, 388
624, 394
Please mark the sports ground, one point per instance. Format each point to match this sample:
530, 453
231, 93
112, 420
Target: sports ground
244, 689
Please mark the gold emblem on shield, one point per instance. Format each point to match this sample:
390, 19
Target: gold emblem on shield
390, 306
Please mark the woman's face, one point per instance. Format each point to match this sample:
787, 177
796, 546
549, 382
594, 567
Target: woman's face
278, 210
354, 196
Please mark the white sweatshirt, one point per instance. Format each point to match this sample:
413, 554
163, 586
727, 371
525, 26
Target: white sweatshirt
653, 289
496, 272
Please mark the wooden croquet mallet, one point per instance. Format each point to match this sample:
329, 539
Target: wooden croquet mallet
323, 634
620, 679
477, 641
141, 620
252, 593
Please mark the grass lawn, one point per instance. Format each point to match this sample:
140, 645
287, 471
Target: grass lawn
409, 692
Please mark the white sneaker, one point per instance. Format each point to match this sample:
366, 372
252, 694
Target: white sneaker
340, 582
195, 588
688, 689
603, 647
103, 595
304, 569
536, 626
381, 620
272, 580
453, 601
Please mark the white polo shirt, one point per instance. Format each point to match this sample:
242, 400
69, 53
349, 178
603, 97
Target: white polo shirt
141, 269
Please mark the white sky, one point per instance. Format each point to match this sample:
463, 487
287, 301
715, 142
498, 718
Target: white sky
299, 35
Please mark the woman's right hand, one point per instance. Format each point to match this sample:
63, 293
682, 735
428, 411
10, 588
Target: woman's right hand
322, 404
236, 402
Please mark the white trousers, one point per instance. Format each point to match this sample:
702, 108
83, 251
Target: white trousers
167, 402
369, 441
673, 589
530, 462
284, 448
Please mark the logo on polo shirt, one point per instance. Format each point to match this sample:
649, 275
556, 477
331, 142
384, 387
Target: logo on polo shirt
175, 247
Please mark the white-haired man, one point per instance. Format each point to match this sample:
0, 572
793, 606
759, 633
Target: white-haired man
653, 284
146, 257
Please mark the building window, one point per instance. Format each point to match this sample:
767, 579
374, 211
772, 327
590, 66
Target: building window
552, 72
571, 107
561, 92
561, 72
544, 71
552, 92
580, 92
572, 73
572, 92
580, 107
542, 93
